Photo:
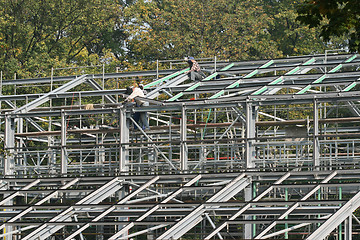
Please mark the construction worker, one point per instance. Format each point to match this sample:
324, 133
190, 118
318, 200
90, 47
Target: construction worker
128, 90
141, 86
195, 72
141, 117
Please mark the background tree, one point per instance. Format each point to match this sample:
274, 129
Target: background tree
339, 18
291, 37
132, 34
37, 34
166, 29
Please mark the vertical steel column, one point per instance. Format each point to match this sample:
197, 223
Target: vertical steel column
123, 141
316, 148
20, 143
250, 135
20, 128
215, 64
348, 228
9, 144
52, 154
170, 137
63, 143
340, 225
157, 69
248, 227
183, 136
254, 193
102, 152
52, 151
9, 160
286, 235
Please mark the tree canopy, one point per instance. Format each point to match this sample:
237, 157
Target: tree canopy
228, 28
131, 34
339, 18
180, 28
35, 33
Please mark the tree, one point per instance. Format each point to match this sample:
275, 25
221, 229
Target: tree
339, 18
38, 34
168, 29
292, 37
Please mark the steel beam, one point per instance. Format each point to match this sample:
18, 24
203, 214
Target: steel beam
33, 104
279, 80
294, 206
285, 231
316, 145
154, 208
96, 86
193, 218
248, 205
348, 228
198, 83
112, 208
32, 122
64, 158
345, 212
17, 193
250, 135
183, 137
320, 79
123, 140
237, 82
45, 199
9, 145
150, 141
45, 230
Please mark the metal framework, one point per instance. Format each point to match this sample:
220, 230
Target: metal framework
262, 149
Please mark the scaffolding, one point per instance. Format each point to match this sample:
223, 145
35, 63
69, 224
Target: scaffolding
256, 150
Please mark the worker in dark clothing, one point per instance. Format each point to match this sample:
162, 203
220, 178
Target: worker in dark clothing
128, 90
141, 86
195, 72
140, 117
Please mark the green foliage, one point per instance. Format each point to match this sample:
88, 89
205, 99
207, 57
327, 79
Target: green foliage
167, 29
37, 34
337, 18
291, 37
170, 29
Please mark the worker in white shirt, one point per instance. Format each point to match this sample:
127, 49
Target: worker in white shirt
137, 92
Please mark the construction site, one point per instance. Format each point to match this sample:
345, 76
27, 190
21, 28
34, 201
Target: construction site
265, 149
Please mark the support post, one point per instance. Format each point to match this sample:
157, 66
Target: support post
340, 225
286, 235
102, 153
348, 228
250, 135
63, 143
254, 193
9, 159
9, 144
215, 63
316, 148
123, 140
157, 69
248, 228
183, 136
20, 126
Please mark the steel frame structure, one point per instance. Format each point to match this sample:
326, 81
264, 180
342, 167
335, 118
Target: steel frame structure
195, 206
256, 150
